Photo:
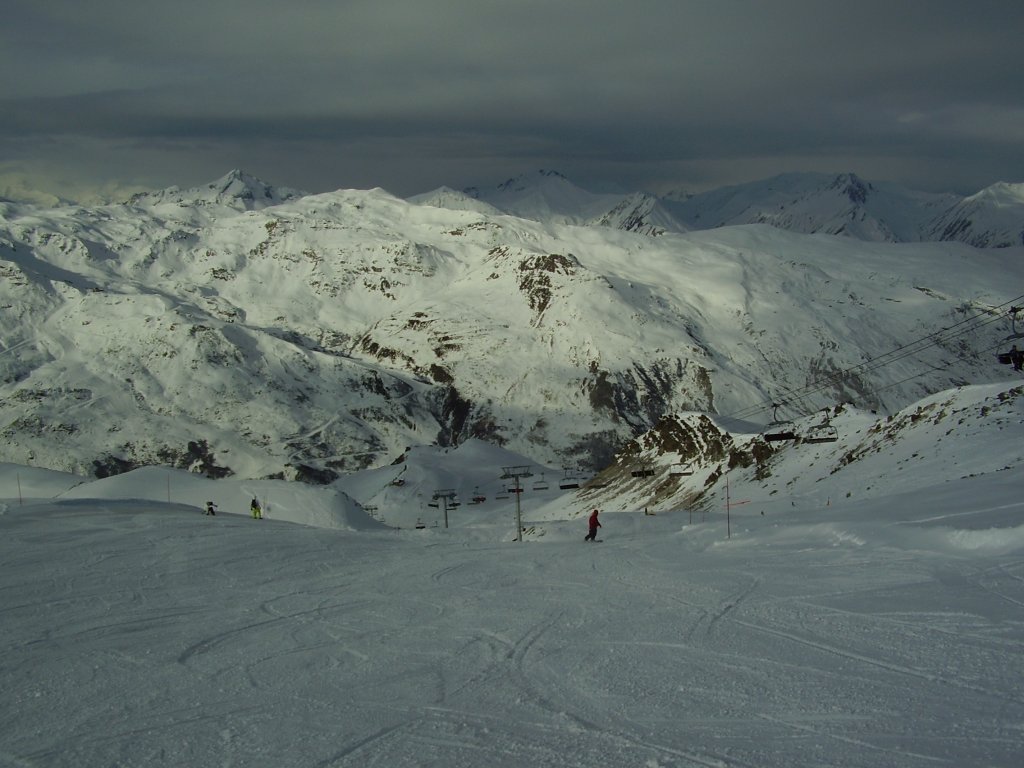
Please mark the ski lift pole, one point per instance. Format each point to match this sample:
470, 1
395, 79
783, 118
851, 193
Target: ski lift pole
516, 473
444, 495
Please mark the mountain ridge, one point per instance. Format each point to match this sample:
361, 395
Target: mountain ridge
325, 333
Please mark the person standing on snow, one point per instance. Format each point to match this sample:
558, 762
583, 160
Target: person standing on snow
257, 511
594, 525
211, 508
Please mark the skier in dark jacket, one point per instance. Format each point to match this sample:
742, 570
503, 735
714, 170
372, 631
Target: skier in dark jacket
594, 525
257, 511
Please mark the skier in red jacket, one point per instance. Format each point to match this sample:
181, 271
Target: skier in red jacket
594, 525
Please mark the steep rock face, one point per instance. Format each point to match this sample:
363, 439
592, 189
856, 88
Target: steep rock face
658, 467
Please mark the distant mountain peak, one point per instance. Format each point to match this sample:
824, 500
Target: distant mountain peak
853, 187
523, 180
1000, 193
235, 189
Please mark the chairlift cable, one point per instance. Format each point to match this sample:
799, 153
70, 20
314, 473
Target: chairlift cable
972, 323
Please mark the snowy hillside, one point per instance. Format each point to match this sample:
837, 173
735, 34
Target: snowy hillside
694, 462
993, 218
324, 334
858, 605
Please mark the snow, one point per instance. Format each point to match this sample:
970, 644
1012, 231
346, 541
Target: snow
884, 629
857, 603
327, 332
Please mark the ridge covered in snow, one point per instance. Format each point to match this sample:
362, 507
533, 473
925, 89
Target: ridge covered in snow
309, 336
811, 203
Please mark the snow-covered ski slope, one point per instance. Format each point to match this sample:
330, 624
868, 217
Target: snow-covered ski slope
884, 627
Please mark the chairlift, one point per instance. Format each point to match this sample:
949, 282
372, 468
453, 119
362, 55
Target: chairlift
821, 433
777, 429
1014, 357
645, 471
681, 469
541, 485
1014, 333
569, 481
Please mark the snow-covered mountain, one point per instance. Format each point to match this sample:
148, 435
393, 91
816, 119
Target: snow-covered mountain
454, 200
237, 190
993, 218
817, 203
237, 329
546, 196
810, 203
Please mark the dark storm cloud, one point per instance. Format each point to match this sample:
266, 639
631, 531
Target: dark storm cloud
413, 94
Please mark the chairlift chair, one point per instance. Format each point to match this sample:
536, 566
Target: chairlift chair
681, 469
777, 429
1014, 357
642, 472
1014, 333
821, 433
569, 481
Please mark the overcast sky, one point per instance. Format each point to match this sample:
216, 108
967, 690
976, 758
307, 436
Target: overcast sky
113, 95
